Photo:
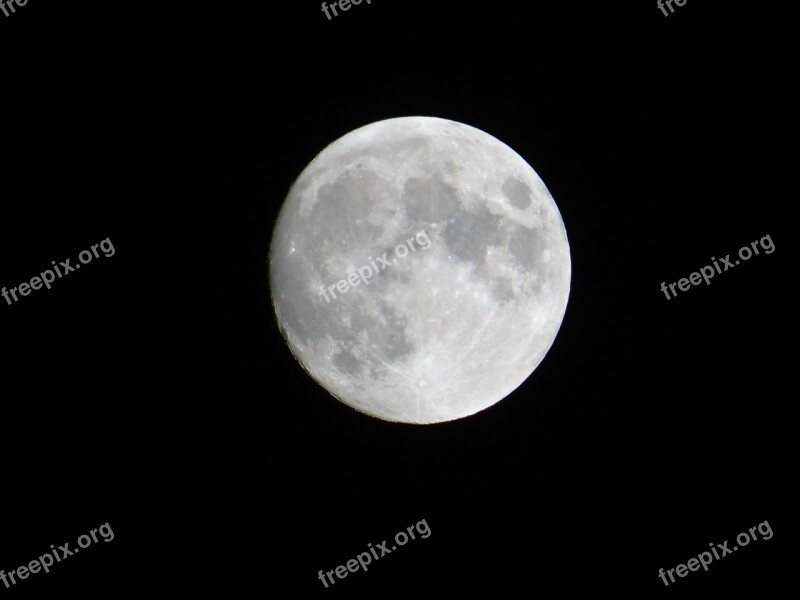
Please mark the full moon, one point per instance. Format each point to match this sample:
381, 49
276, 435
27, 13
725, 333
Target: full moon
419, 270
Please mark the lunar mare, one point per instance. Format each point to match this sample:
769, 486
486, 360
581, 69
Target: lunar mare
445, 332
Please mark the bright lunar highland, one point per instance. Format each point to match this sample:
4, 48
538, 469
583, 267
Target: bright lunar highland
419, 270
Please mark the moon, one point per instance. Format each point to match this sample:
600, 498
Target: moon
419, 270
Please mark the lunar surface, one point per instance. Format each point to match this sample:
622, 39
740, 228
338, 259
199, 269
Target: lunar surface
419, 269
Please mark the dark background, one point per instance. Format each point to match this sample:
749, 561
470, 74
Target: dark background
152, 390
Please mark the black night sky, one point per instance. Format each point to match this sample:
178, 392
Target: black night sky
152, 391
